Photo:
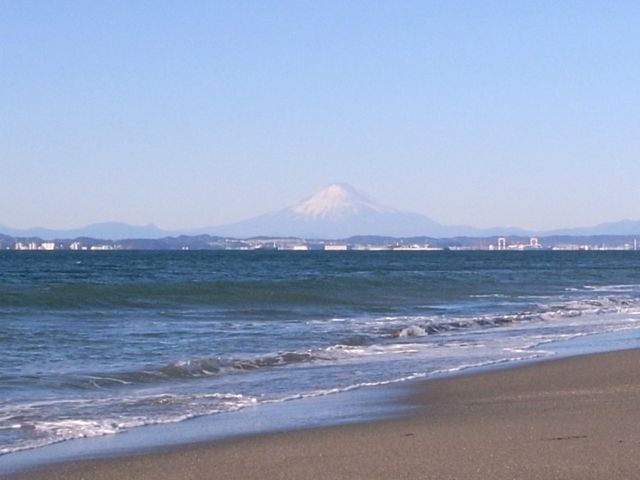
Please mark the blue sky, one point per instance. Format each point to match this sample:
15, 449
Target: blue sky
188, 114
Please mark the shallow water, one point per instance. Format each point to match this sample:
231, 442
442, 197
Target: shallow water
97, 343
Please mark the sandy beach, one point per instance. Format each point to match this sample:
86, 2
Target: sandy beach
570, 418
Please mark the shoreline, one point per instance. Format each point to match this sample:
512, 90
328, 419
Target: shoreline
571, 417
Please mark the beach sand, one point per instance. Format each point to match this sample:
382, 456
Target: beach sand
576, 418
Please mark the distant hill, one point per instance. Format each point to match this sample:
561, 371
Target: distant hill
107, 230
623, 227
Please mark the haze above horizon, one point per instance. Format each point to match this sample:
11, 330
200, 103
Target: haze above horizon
193, 114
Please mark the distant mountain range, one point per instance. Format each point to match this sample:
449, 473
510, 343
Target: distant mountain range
339, 211
335, 212
107, 230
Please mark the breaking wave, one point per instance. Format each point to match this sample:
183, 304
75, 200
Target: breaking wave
568, 309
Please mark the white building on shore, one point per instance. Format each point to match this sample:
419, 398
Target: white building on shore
34, 246
336, 248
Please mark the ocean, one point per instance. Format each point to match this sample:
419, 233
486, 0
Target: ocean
99, 343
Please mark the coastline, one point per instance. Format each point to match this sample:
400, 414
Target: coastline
563, 418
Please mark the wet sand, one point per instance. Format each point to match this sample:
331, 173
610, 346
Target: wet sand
576, 418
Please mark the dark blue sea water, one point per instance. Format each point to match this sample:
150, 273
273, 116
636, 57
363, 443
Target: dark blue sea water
96, 343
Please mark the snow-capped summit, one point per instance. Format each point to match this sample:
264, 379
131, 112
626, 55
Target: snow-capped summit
336, 200
336, 211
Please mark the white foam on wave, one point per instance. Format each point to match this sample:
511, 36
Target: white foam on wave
77, 428
412, 331
617, 288
11, 426
490, 295
95, 380
488, 363
344, 352
347, 388
58, 430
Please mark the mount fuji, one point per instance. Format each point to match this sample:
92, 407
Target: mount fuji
339, 211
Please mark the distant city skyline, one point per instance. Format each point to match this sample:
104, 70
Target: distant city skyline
197, 114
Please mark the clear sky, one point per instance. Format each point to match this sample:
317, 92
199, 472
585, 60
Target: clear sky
198, 113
